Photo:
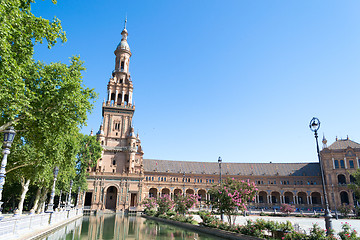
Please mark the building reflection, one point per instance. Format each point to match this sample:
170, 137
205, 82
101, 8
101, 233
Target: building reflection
120, 227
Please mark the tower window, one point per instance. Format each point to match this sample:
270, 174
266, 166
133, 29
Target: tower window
114, 162
122, 66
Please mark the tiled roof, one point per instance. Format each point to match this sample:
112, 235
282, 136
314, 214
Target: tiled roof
246, 169
343, 144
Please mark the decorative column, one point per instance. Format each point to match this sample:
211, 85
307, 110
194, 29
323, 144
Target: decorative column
78, 197
116, 97
59, 205
50, 207
69, 196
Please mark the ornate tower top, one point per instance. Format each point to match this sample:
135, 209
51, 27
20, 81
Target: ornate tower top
123, 43
324, 141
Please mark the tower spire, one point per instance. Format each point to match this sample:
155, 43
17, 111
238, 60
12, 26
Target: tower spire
125, 22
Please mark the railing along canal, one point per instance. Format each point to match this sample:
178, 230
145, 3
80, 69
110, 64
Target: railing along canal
14, 227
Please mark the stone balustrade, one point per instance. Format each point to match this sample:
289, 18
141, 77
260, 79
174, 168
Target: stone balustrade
17, 226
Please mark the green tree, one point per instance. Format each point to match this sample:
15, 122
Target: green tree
88, 153
355, 185
20, 30
47, 103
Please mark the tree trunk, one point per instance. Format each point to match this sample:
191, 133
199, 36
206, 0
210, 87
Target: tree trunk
24, 189
37, 198
42, 200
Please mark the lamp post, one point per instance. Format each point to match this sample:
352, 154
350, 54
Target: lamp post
333, 195
50, 207
314, 126
9, 135
184, 183
220, 180
69, 196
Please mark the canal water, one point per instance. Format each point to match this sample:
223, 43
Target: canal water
120, 227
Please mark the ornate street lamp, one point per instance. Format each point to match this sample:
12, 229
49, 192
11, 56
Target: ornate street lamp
220, 180
50, 208
314, 126
9, 135
69, 196
184, 183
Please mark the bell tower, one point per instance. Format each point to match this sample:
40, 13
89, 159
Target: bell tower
122, 151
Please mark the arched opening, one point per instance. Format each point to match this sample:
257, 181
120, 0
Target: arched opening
262, 197
111, 194
315, 198
189, 191
126, 99
153, 192
302, 198
112, 98
165, 191
341, 179
177, 192
202, 195
88, 198
289, 197
275, 197
352, 179
344, 197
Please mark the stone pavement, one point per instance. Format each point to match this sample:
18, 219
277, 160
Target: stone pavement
304, 222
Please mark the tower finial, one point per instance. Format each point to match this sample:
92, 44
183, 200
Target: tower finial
125, 22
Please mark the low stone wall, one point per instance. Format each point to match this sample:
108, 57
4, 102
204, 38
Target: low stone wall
202, 229
35, 224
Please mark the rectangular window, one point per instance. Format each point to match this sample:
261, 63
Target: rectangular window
336, 164
342, 163
351, 163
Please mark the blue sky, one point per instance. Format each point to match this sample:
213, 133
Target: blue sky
236, 79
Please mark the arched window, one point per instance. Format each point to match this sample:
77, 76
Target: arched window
344, 198
342, 163
341, 179
122, 66
114, 162
352, 179
336, 164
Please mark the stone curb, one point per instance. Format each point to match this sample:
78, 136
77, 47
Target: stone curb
210, 231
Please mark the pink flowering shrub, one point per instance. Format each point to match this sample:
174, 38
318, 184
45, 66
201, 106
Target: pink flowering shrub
165, 203
184, 202
287, 208
347, 232
232, 196
149, 204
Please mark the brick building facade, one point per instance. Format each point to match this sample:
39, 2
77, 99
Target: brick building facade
122, 178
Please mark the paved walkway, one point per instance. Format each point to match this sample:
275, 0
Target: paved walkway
305, 223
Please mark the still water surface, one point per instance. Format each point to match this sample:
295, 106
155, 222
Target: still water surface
120, 227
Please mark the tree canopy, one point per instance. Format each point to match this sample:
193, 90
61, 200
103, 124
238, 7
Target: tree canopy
46, 103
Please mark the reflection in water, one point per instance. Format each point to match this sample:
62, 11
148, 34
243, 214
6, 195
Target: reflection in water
120, 227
